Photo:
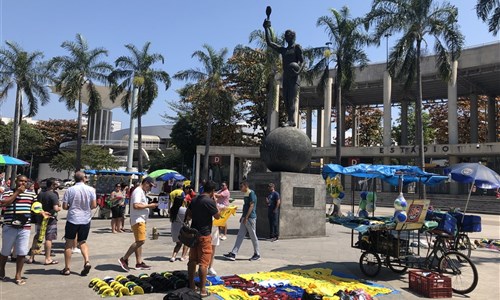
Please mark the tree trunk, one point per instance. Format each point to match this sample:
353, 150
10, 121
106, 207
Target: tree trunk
14, 148
139, 134
78, 163
418, 123
340, 115
207, 142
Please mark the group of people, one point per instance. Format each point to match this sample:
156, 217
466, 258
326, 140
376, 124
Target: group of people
79, 201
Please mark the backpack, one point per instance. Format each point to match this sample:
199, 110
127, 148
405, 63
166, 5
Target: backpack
182, 294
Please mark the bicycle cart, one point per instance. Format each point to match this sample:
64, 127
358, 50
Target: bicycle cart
385, 241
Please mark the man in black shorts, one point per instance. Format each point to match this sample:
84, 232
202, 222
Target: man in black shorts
79, 200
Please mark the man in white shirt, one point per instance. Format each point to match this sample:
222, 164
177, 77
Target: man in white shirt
139, 212
79, 200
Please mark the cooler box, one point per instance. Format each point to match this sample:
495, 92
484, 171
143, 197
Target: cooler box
470, 223
447, 224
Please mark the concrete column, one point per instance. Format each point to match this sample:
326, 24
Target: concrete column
327, 114
452, 105
276, 104
319, 128
492, 119
404, 122
453, 160
387, 109
474, 119
231, 172
309, 123
197, 172
355, 126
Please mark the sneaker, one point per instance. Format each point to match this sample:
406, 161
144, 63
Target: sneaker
230, 256
172, 259
212, 272
142, 266
254, 257
223, 237
124, 264
76, 250
274, 239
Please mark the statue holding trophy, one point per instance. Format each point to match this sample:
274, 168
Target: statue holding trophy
293, 64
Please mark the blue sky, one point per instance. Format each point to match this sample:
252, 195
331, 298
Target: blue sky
175, 29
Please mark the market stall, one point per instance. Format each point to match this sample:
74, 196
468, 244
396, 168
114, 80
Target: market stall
394, 240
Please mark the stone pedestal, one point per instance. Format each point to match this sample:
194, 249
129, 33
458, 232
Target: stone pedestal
302, 212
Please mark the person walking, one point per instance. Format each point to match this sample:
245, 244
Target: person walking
201, 211
177, 216
273, 202
248, 222
49, 199
79, 200
139, 213
17, 226
222, 197
117, 199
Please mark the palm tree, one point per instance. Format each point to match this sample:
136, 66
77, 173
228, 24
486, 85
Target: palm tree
415, 20
263, 73
346, 48
489, 11
210, 86
28, 73
80, 70
137, 72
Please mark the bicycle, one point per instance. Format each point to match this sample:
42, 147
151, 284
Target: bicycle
456, 265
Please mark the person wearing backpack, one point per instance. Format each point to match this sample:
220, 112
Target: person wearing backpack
177, 215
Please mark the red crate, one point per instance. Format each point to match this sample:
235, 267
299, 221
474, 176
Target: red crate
430, 284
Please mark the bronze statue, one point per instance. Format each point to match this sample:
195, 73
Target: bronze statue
293, 63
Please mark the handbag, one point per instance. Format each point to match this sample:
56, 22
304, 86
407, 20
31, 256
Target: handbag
188, 236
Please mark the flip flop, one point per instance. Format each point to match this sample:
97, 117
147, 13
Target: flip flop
53, 262
86, 269
65, 272
205, 295
20, 281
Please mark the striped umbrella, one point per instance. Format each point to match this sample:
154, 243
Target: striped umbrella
6, 160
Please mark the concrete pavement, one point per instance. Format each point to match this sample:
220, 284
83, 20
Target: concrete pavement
332, 251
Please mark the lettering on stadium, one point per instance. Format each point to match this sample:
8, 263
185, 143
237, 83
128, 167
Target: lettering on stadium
414, 149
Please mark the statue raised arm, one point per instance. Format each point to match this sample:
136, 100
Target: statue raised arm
293, 63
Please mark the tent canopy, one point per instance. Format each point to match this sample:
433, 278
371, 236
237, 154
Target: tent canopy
389, 173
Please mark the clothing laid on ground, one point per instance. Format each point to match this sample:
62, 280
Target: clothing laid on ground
79, 198
177, 224
138, 215
203, 208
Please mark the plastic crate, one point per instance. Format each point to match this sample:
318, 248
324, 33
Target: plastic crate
430, 284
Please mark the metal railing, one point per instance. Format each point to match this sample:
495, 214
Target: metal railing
147, 145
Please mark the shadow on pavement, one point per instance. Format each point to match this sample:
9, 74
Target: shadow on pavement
109, 267
157, 258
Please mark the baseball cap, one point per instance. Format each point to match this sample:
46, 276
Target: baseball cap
149, 180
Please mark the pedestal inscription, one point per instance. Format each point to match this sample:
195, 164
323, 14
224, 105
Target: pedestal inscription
303, 197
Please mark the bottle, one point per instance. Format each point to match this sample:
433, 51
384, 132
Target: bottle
155, 233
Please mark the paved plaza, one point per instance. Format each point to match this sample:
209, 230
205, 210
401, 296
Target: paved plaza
332, 251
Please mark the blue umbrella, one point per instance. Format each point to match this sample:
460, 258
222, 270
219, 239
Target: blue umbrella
477, 174
169, 176
6, 160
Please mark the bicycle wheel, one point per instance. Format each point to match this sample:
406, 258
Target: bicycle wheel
462, 244
461, 270
370, 264
395, 265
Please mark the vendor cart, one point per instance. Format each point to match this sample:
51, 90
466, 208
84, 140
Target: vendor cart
397, 243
